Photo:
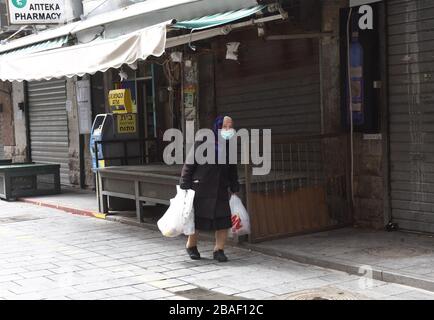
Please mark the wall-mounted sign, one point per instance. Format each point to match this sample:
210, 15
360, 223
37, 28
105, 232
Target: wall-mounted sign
120, 101
127, 123
36, 11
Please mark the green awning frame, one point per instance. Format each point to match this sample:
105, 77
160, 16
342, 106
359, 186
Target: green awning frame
37, 47
218, 19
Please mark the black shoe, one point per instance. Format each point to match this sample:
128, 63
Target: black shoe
193, 253
220, 256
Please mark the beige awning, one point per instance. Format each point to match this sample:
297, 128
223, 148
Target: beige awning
89, 58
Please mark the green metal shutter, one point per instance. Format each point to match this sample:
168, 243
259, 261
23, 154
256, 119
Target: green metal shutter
411, 98
49, 124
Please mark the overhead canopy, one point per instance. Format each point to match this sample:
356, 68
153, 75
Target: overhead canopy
98, 55
145, 13
37, 47
52, 59
219, 18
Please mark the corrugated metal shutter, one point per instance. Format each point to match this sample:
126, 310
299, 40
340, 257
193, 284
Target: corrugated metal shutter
411, 78
3, 14
49, 124
275, 85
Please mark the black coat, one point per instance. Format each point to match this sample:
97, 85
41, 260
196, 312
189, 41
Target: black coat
211, 183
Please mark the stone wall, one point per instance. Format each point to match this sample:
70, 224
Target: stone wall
368, 182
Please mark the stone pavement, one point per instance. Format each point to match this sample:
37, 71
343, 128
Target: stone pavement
48, 254
397, 257
81, 202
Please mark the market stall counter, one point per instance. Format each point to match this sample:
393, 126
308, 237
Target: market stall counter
156, 184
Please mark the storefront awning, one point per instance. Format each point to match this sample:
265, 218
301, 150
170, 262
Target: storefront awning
219, 18
89, 58
51, 59
37, 47
144, 13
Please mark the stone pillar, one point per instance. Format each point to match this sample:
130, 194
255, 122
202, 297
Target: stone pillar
368, 182
6, 118
73, 133
18, 150
335, 149
190, 90
330, 60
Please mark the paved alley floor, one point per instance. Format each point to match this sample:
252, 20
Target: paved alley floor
49, 254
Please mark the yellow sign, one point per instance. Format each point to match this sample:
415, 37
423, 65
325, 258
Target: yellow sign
120, 101
127, 123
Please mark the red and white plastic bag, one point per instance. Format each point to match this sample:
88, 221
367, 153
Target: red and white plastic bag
240, 217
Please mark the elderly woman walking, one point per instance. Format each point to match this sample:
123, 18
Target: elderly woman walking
211, 183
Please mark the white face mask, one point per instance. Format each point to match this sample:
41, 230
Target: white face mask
227, 134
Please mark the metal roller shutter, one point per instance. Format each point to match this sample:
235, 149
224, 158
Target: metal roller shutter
275, 86
49, 124
411, 90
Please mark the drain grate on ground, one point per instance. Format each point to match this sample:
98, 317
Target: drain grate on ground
22, 218
204, 294
328, 293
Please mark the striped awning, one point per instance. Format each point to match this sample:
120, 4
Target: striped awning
87, 58
219, 19
56, 58
37, 47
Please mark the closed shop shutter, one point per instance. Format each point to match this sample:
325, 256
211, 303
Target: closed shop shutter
49, 124
275, 85
411, 90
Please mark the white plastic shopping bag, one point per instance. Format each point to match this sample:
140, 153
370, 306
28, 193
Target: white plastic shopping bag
240, 217
188, 213
179, 218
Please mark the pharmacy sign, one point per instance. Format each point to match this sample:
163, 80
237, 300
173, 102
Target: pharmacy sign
36, 11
